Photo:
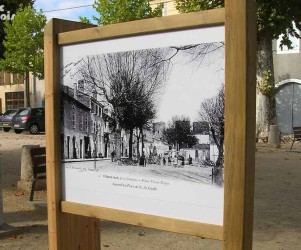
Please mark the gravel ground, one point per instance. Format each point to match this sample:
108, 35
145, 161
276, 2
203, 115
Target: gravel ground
277, 219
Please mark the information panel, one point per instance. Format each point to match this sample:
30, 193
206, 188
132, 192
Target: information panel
142, 124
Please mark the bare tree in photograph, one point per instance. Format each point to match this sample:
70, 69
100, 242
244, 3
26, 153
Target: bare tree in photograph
128, 80
199, 52
212, 111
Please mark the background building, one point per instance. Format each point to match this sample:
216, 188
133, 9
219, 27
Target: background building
169, 7
12, 92
288, 83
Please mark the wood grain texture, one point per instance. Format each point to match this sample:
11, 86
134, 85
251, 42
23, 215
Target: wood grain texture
147, 26
162, 223
66, 231
239, 123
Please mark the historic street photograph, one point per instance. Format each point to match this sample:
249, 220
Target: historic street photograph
148, 108
146, 122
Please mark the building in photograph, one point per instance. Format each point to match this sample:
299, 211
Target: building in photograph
108, 136
205, 150
158, 129
12, 92
97, 126
75, 125
86, 131
153, 141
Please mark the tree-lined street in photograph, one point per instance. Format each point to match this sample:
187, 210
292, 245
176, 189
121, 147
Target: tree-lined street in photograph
130, 82
152, 102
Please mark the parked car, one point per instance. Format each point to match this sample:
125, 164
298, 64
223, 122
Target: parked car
29, 119
6, 118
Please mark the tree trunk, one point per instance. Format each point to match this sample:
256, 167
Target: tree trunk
27, 89
266, 107
138, 140
142, 142
118, 144
131, 144
220, 159
217, 177
95, 153
219, 142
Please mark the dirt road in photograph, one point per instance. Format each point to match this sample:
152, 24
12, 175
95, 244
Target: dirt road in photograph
277, 214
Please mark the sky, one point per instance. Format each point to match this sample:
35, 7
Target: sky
66, 9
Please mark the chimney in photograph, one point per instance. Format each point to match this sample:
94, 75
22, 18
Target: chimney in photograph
81, 86
75, 90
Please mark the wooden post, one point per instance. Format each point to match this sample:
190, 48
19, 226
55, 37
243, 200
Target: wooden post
66, 231
240, 92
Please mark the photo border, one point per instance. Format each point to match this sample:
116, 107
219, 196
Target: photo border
72, 224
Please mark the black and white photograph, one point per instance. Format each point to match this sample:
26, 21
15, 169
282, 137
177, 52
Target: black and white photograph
142, 124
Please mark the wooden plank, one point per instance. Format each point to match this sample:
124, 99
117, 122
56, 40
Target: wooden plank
240, 123
168, 224
147, 26
63, 229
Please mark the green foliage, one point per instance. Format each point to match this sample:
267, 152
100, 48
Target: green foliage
185, 6
278, 17
117, 11
265, 86
273, 17
10, 6
24, 42
85, 20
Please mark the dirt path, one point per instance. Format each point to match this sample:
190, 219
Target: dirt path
277, 222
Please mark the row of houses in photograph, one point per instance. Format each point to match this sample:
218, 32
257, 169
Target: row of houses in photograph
87, 131
85, 125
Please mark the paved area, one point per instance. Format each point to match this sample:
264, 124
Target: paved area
277, 218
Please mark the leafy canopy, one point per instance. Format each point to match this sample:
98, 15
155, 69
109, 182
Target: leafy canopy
273, 17
10, 6
24, 43
117, 11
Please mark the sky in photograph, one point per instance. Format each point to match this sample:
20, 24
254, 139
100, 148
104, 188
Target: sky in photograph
66, 9
190, 83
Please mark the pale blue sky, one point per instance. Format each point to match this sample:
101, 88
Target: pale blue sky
48, 7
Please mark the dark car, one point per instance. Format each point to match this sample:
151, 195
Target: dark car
29, 119
6, 118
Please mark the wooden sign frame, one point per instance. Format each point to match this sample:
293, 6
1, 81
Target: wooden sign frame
77, 226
